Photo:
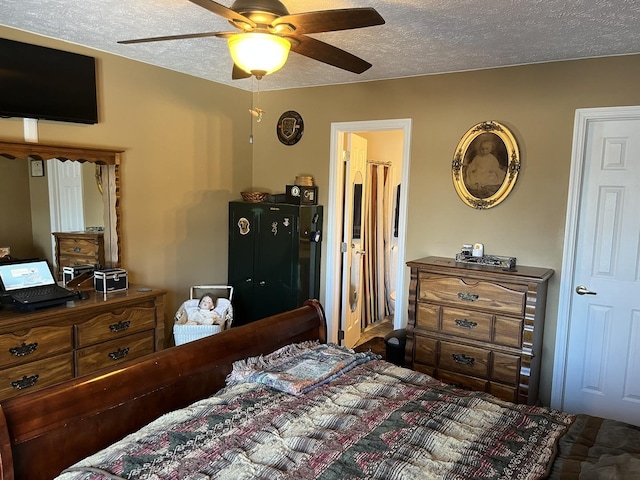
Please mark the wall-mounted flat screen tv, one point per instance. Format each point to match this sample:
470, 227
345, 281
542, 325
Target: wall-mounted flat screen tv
44, 83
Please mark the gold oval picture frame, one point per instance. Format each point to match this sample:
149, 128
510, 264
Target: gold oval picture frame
486, 164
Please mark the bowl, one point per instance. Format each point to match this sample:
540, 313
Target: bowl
254, 197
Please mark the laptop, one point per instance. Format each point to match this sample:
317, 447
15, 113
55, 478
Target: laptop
31, 285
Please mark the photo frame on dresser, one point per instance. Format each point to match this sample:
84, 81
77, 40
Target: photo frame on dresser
485, 165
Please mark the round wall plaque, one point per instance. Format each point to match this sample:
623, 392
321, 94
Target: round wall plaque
290, 128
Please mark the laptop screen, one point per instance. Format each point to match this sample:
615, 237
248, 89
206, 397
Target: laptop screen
15, 276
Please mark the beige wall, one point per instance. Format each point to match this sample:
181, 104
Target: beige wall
536, 102
15, 223
187, 154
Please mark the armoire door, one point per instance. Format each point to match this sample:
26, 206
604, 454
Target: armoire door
276, 262
243, 230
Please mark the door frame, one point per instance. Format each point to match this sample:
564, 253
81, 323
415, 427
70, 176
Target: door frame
583, 117
333, 289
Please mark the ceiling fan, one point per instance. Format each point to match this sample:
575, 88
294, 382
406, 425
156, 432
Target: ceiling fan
267, 24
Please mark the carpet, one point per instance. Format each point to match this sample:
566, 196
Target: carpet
376, 345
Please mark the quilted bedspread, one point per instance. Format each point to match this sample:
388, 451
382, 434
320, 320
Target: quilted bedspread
376, 421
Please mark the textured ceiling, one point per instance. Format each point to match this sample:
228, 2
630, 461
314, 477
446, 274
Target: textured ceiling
420, 37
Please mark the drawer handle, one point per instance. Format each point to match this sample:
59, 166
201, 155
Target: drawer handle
464, 323
468, 297
462, 359
25, 382
77, 249
119, 354
121, 326
23, 349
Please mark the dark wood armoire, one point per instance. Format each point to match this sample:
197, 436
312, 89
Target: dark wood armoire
274, 257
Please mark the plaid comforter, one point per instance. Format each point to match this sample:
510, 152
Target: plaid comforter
375, 421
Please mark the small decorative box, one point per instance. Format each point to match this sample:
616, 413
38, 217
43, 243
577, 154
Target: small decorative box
505, 263
302, 195
69, 273
110, 280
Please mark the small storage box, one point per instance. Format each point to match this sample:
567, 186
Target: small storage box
110, 280
302, 195
69, 273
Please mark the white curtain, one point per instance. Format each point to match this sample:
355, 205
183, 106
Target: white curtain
376, 234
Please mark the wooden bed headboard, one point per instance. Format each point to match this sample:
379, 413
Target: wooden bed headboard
43, 432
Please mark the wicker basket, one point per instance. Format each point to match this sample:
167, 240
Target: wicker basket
188, 333
254, 197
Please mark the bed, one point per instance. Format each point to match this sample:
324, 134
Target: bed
357, 416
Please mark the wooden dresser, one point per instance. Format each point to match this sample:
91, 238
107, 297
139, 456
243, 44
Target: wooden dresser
47, 346
478, 326
78, 248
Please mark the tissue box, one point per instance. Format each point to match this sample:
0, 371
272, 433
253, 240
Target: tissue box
110, 280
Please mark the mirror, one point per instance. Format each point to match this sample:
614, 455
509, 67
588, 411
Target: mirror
26, 186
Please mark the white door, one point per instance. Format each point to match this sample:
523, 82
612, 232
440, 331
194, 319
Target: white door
65, 196
600, 291
354, 194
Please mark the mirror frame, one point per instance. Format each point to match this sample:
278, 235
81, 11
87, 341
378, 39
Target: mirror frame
99, 156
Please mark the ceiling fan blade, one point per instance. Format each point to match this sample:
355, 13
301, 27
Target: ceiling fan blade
239, 73
323, 52
176, 37
331, 20
224, 12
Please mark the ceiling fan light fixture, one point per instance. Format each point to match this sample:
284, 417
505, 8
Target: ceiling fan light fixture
259, 53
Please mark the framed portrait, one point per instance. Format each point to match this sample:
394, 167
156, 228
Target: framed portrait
37, 167
485, 165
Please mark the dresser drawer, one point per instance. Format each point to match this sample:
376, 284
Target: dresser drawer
427, 317
73, 260
115, 324
77, 246
111, 353
425, 351
466, 323
508, 331
470, 293
35, 375
504, 392
485, 327
465, 382
505, 368
21, 347
464, 359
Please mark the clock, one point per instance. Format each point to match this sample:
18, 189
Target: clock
290, 128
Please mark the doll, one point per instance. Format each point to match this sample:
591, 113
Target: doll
205, 314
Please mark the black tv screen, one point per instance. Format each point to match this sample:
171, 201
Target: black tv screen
44, 83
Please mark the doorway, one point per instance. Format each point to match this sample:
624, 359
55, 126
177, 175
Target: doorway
597, 359
65, 198
338, 295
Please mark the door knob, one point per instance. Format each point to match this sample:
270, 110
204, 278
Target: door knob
582, 290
